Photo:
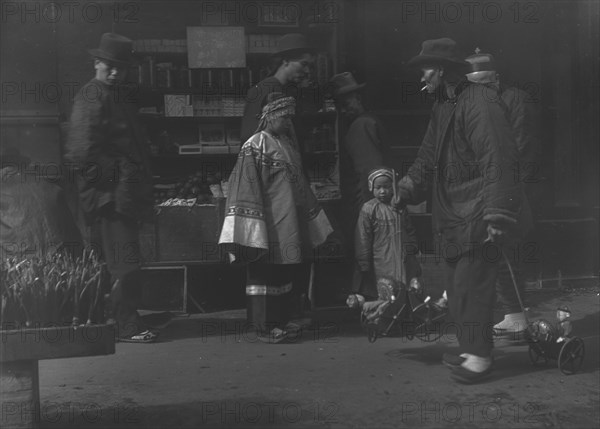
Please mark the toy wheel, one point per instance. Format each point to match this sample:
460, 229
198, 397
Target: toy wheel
535, 354
372, 333
571, 355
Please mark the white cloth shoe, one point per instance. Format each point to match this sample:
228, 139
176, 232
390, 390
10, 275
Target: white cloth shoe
511, 324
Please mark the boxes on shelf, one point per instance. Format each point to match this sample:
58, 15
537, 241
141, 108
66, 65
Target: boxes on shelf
233, 106
177, 105
261, 43
212, 135
207, 106
152, 46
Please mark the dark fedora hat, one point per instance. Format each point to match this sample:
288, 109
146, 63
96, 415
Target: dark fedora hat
292, 42
344, 83
442, 51
114, 48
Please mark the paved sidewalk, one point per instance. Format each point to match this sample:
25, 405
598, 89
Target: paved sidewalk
208, 371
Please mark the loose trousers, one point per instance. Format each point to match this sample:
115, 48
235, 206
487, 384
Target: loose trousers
117, 237
471, 286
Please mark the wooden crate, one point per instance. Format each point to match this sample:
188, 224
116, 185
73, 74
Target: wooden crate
56, 342
19, 355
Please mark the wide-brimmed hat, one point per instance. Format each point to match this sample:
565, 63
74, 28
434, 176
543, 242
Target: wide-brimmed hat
114, 48
442, 51
344, 83
292, 42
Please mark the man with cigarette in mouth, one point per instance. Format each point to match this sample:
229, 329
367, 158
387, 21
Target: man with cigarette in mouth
466, 159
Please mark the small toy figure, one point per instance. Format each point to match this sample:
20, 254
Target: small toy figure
563, 314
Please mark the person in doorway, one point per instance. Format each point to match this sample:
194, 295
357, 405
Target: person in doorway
468, 145
290, 67
365, 147
108, 149
524, 118
272, 218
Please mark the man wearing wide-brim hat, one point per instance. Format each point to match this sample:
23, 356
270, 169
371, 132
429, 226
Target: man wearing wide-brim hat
108, 148
290, 67
365, 147
466, 159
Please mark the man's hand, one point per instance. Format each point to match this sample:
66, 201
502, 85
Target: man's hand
398, 202
495, 233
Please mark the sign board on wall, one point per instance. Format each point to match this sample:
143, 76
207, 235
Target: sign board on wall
216, 47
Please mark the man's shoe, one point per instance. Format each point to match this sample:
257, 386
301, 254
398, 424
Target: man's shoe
452, 361
514, 322
462, 375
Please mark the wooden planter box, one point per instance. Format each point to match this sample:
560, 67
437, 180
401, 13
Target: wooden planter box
20, 351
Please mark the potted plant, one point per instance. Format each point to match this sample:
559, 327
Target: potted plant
52, 307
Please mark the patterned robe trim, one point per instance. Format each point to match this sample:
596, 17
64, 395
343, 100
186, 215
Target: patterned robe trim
249, 150
250, 231
263, 290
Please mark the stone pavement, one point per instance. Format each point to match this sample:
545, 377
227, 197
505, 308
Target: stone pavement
209, 371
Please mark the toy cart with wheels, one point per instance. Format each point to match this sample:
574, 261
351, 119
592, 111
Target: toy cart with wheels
407, 317
545, 345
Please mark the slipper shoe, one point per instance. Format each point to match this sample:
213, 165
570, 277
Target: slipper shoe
273, 337
142, 337
462, 375
452, 361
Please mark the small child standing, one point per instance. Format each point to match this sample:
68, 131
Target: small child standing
385, 241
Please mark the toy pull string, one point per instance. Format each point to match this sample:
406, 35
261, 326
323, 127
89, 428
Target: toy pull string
514, 281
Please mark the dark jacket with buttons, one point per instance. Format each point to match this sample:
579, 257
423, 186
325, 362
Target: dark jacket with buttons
469, 159
108, 150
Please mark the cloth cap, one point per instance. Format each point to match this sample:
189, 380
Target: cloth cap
442, 51
278, 107
378, 172
482, 68
481, 61
114, 48
344, 83
564, 308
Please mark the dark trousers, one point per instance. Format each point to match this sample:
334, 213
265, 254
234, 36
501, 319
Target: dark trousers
117, 238
269, 295
471, 285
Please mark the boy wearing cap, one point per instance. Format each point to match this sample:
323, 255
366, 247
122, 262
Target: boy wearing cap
106, 145
291, 66
466, 159
525, 123
384, 246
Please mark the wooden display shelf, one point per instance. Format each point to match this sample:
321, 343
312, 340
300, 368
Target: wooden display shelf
55, 342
